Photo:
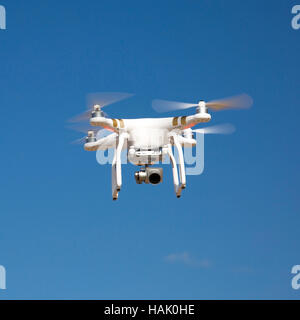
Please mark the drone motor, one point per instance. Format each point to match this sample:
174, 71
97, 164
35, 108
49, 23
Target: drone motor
91, 137
201, 108
97, 112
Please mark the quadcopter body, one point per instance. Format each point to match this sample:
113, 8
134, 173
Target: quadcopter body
150, 140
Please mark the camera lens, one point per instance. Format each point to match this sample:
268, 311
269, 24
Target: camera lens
154, 178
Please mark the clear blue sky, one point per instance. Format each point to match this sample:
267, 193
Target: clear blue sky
235, 231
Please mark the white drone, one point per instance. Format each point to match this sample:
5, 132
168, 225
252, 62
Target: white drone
150, 140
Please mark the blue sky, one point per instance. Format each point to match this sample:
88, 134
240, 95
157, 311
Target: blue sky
235, 231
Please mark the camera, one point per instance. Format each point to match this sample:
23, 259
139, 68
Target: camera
149, 175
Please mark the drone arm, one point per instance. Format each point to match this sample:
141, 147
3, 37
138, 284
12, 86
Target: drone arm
102, 144
107, 123
201, 117
185, 122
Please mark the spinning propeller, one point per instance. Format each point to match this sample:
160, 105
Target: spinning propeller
218, 129
99, 100
242, 101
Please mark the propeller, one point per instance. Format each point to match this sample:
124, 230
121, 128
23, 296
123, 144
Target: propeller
79, 141
241, 101
100, 100
226, 128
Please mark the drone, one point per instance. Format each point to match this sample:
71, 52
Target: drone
149, 141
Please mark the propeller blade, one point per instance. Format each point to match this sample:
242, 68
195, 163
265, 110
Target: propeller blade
81, 117
242, 101
83, 127
218, 129
79, 141
103, 99
165, 105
